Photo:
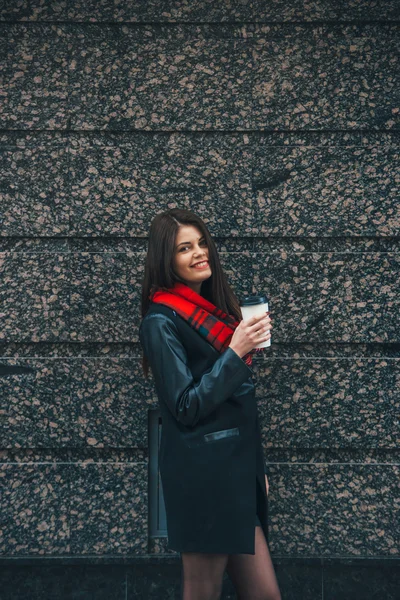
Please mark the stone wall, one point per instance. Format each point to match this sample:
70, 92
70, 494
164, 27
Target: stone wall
278, 123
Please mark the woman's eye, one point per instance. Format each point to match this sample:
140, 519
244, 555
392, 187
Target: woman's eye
184, 247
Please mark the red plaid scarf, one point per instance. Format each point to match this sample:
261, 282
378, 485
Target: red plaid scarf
213, 324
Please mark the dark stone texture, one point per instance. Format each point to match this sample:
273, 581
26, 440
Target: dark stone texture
108, 513
331, 296
334, 510
105, 296
117, 179
76, 508
96, 402
148, 582
107, 582
34, 10
200, 77
328, 402
326, 185
272, 76
34, 297
34, 169
327, 77
35, 67
157, 78
73, 455
369, 582
199, 10
203, 11
365, 10
111, 403
35, 507
264, 184
37, 409
299, 579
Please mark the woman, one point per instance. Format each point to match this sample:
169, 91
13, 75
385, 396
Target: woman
211, 459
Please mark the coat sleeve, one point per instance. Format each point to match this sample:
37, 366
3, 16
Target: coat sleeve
188, 401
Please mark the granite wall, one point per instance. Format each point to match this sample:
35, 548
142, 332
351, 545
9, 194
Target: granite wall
277, 122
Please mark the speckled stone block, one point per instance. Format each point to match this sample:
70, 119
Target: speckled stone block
76, 402
253, 10
201, 10
108, 509
327, 185
112, 402
327, 77
331, 296
121, 181
124, 11
34, 10
349, 402
34, 297
198, 10
364, 10
37, 408
33, 189
76, 508
35, 509
105, 295
34, 72
192, 78
334, 510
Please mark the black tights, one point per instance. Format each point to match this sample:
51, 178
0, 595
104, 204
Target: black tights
252, 575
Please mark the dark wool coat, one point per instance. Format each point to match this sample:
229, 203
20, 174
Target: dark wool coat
211, 459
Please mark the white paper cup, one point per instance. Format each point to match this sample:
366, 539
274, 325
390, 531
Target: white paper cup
254, 306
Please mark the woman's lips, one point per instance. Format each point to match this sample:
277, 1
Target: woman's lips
200, 268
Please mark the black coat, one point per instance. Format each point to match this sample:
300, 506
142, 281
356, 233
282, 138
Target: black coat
210, 455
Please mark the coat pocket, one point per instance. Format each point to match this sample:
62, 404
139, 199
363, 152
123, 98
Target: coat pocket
221, 435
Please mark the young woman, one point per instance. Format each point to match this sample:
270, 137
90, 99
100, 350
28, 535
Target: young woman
211, 459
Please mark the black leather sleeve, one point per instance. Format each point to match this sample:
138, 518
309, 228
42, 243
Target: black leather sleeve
188, 401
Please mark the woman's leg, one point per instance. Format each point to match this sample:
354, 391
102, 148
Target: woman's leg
202, 575
253, 575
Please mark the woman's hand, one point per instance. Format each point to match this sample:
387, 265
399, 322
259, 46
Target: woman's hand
266, 484
250, 333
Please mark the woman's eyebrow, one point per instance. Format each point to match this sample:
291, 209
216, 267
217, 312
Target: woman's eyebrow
180, 243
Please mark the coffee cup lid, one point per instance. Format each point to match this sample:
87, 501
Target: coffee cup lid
252, 300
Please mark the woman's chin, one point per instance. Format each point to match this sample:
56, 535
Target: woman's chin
203, 275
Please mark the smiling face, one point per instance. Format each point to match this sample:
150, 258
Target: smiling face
191, 248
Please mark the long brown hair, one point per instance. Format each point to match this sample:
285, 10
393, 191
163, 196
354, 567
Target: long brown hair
159, 272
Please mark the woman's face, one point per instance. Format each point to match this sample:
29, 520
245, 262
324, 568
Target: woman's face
191, 248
